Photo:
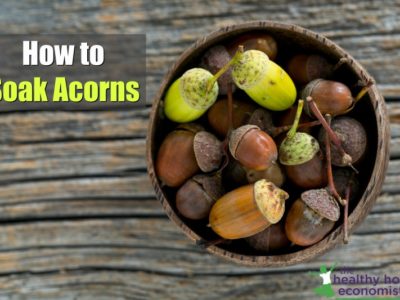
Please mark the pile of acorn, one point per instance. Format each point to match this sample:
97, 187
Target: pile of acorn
263, 153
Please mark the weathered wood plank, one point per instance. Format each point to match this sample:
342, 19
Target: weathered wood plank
153, 245
91, 188
63, 126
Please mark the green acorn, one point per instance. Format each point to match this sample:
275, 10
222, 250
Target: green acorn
298, 147
264, 81
188, 98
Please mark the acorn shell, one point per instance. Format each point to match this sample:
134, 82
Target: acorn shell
195, 198
298, 149
353, 137
322, 202
208, 151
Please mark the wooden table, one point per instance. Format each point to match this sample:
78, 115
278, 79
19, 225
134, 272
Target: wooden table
79, 216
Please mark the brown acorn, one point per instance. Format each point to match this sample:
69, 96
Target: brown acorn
176, 161
248, 210
256, 41
352, 136
196, 196
184, 152
331, 97
269, 240
218, 115
311, 217
303, 68
252, 147
308, 175
273, 174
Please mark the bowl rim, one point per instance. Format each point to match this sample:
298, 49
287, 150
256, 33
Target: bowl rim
367, 199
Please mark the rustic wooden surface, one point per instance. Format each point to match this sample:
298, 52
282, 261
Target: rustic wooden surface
79, 217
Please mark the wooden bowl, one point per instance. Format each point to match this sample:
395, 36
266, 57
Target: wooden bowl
370, 111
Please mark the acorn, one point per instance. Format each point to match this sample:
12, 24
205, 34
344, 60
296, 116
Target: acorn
256, 41
353, 138
303, 68
190, 96
263, 80
311, 217
297, 147
331, 97
252, 147
218, 115
196, 196
248, 210
213, 60
342, 178
184, 152
272, 174
309, 175
269, 240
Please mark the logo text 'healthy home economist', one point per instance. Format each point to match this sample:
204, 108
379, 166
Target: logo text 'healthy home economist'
346, 283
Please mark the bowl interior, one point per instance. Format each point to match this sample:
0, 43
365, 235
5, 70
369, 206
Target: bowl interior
291, 40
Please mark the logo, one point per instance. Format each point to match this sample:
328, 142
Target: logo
325, 289
345, 283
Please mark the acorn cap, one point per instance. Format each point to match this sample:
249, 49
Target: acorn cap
298, 149
322, 203
270, 200
193, 87
237, 135
208, 151
212, 185
263, 119
250, 69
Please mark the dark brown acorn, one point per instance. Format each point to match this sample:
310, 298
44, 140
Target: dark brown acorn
352, 136
331, 97
215, 59
255, 41
311, 174
311, 217
195, 198
269, 240
303, 68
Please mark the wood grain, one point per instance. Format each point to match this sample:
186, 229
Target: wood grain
79, 217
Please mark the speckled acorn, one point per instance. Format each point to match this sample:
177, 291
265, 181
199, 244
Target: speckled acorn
352, 136
303, 68
297, 147
311, 217
248, 210
195, 198
252, 147
331, 97
184, 152
189, 97
263, 80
